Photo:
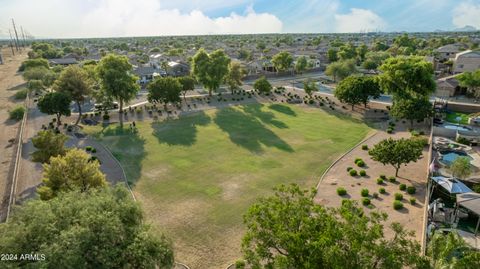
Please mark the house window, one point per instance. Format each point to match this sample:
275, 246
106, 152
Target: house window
460, 66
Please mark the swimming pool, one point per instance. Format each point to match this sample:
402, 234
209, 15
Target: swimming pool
456, 127
448, 156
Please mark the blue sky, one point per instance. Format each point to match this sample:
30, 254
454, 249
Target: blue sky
94, 18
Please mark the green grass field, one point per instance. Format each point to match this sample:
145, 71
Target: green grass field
452, 117
197, 176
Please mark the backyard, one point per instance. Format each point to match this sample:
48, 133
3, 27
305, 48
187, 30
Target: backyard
196, 176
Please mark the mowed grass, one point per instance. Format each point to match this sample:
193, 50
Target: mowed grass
197, 176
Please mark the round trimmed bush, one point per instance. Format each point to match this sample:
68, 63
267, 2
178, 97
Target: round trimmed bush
365, 147
413, 201
398, 196
88, 148
397, 205
341, 191
379, 181
349, 168
383, 177
239, 264
364, 192
94, 150
366, 201
357, 160
411, 190
402, 187
362, 173
392, 179
375, 195
382, 190
360, 163
353, 172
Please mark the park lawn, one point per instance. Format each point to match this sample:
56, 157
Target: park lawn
452, 117
195, 177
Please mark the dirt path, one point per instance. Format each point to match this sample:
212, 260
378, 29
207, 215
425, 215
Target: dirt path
10, 82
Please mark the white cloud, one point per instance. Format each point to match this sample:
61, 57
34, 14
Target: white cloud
467, 13
358, 20
103, 18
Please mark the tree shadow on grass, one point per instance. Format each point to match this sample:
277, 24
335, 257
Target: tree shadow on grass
265, 117
182, 131
247, 131
128, 147
283, 109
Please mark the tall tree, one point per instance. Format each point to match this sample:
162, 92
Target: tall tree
396, 152
188, 84
55, 103
75, 82
73, 171
234, 76
310, 86
347, 52
290, 230
164, 90
101, 228
332, 55
461, 167
116, 79
451, 251
407, 77
210, 69
262, 85
341, 70
282, 61
356, 90
415, 108
301, 64
471, 80
48, 144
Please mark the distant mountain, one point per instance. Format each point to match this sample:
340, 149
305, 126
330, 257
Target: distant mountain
466, 28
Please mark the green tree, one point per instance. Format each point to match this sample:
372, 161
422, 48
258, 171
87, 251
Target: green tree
450, 251
341, 70
290, 230
35, 85
164, 90
396, 152
46, 76
407, 77
262, 85
310, 86
282, 61
55, 103
188, 84
416, 108
332, 55
347, 52
234, 76
369, 65
356, 90
75, 82
73, 171
471, 80
461, 167
48, 144
116, 79
362, 51
31, 63
100, 228
301, 64
210, 69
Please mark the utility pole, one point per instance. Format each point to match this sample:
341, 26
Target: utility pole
24, 40
11, 45
16, 34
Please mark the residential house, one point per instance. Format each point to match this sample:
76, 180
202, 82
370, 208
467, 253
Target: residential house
63, 61
147, 73
446, 52
466, 61
178, 69
448, 87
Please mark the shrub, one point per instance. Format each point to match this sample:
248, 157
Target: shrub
349, 168
362, 173
106, 117
341, 191
21, 94
398, 196
402, 187
88, 148
357, 160
375, 195
411, 190
364, 192
389, 130
360, 163
413, 201
17, 113
463, 140
379, 181
239, 264
353, 172
383, 177
382, 190
94, 150
365, 147
365, 201
392, 179
397, 205
414, 133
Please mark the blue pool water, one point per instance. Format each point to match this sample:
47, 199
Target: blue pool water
450, 156
459, 128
